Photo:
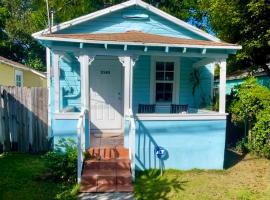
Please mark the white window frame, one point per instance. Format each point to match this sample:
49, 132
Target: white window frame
18, 73
176, 82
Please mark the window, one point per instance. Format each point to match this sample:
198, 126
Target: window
164, 82
19, 78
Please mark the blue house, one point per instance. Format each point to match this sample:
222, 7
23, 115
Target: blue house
235, 79
134, 72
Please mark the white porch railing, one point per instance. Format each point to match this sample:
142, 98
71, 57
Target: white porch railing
81, 142
132, 132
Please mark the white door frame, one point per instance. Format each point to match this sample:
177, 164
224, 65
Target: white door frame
108, 132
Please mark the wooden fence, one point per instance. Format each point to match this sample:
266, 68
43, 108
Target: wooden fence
23, 119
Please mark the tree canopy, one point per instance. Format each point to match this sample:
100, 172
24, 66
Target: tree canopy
246, 22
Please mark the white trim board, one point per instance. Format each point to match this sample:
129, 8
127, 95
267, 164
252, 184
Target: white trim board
180, 117
125, 5
114, 52
237, 47
70, 115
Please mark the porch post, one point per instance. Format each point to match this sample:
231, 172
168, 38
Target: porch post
56, 59
128, 64
222, 87
125, 63
85, 61
133, 60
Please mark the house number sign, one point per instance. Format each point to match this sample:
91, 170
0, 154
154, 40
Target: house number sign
105, 72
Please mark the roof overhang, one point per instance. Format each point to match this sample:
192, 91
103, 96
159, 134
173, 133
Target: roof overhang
144, 44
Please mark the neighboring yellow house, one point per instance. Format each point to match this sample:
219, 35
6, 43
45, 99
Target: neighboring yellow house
16, 74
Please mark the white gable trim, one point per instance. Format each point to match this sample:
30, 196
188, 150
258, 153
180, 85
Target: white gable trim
125, 5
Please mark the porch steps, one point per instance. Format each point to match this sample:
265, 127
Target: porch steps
107, 170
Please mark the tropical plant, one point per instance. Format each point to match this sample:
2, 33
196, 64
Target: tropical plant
62, 161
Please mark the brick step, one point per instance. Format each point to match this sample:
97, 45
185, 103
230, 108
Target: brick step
118, 164
121, 176
108, 170
107, 153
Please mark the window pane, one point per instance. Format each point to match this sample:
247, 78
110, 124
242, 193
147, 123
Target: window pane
160, 76
169, 76
160, 66
159, 97
168, 87
169, 66
164, 92
168, 96
159, 87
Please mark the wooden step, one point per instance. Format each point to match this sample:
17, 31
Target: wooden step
108, 171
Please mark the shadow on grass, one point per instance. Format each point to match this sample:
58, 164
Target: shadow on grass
231, 158
150, 185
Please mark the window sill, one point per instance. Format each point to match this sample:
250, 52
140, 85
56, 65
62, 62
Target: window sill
71, 115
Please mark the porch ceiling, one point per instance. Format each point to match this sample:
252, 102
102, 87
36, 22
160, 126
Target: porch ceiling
138, 38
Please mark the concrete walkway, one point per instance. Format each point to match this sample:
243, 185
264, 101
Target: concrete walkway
106, 196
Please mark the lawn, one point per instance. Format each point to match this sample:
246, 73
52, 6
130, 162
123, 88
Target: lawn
23, 177
246, 178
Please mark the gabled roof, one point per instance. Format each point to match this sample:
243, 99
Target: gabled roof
20, 66
138, 38
122, 6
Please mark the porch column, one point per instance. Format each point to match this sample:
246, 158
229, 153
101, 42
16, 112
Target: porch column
56, 74
133, 60
128, 64
222, 87
125, 63
85, 61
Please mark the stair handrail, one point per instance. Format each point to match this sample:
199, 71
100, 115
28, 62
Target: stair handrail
132, 137
81, 142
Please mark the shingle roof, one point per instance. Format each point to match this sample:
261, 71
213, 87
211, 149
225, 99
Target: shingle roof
138, 37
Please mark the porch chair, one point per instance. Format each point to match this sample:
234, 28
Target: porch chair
179, 108
147, 108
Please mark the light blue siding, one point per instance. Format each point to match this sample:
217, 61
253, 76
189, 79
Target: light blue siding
70, 84
68, 129
190, 144
141, 81
202, 92
115, 23
231, 84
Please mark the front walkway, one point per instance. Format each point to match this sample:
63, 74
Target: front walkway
107, 196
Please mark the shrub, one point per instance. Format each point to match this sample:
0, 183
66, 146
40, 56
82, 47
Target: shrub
260, 135
62, 161
242, 146
252, 105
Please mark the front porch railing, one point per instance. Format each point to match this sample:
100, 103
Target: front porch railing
132, 132
81, 142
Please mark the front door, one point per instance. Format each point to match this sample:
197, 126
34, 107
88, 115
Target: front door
106, 111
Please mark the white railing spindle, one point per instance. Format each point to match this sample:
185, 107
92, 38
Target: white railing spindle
132, 132
81, 143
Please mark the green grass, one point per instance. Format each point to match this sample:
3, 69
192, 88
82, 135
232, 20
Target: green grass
23, 177
247, 178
